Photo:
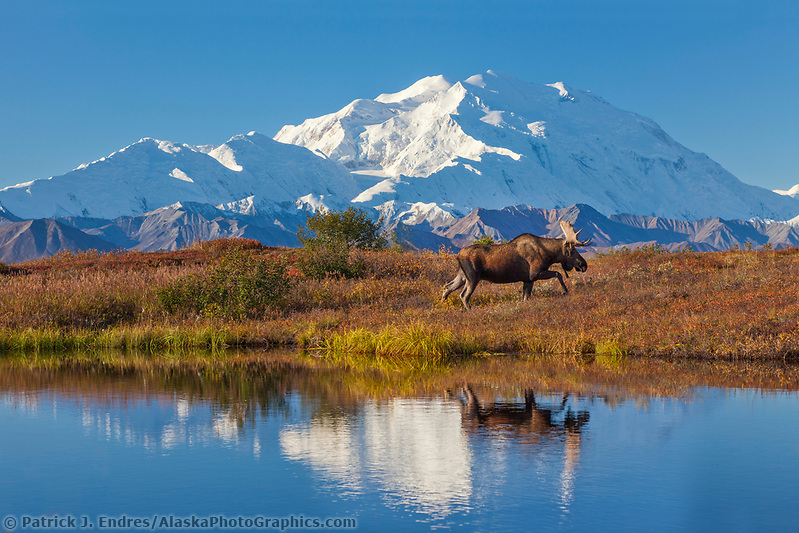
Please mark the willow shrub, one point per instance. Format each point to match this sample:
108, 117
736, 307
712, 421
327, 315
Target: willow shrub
351, 228
238, 286
332, 260
328, 238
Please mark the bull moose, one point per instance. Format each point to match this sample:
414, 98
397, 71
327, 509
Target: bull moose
526, 258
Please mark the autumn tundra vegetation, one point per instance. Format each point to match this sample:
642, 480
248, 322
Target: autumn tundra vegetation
344, 296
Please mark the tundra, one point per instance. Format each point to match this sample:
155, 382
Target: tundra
526, 258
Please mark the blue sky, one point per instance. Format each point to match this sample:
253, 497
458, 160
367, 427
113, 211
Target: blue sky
80, 79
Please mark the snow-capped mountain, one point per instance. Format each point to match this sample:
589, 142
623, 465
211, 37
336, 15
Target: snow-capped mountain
493, 141
443, 163
792, 192
250, 172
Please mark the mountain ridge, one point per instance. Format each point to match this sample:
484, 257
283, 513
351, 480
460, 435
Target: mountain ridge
152, 173
180, 225
441, 161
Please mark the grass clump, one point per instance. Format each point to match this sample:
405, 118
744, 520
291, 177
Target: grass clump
415, 346
611, 348
127, 339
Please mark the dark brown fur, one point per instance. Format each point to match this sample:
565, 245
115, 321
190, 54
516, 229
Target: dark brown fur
525, 259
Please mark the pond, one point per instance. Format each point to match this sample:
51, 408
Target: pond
494, 446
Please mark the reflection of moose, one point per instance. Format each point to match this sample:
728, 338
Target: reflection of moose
530, 426
532, 421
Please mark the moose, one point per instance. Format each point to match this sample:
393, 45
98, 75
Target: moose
526, 258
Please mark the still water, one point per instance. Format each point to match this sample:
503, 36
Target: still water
277, 441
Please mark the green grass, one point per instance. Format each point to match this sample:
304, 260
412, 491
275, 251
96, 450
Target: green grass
124, 338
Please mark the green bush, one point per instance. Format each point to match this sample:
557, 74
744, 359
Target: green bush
239, 286
333, 260
329, 237
485, 239
351, 228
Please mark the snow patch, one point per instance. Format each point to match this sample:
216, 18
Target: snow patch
538, 129
225, 155
493, 117
245, 206
414, 214
204, 148
311, 202
476, 80
374, 172
176, 206
387, 186
180, 175
472, 169
503, 151
419, 92
564, 93
18, 186
168, 147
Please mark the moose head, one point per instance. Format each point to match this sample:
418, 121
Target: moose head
571, 257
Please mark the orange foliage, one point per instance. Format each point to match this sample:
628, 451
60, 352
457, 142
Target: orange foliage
736, 304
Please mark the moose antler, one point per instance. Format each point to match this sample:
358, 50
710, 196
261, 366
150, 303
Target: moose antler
571, 236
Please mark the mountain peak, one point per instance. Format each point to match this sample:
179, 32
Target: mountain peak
419, 92
493, 140
486, 78
792, 192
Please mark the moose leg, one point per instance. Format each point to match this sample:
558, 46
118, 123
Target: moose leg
472, 279
527, 290
467, 291
549, 274
454, 285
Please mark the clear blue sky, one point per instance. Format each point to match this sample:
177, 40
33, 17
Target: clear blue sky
80, 79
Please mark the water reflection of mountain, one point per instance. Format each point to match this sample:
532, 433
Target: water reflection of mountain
418, 452
414, 449
436, 451
158, 409
421, 451
467, 447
